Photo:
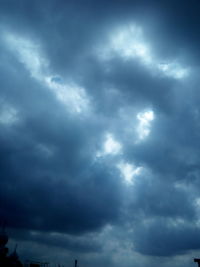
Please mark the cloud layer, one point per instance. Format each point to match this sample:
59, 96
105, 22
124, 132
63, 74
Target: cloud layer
99, 130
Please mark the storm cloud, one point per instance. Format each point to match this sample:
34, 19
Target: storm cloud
99, 130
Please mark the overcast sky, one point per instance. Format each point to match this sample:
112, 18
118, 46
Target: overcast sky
100, 131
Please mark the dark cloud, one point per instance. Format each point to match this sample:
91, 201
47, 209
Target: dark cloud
72, 111
164, 239
49, 180
82, 244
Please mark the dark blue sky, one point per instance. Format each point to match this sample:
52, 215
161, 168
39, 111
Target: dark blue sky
100, 131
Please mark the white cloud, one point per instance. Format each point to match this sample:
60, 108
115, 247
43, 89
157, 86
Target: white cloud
110, 146
129, 43
173, 70
71, 95
128, 171
145, 118
29, 53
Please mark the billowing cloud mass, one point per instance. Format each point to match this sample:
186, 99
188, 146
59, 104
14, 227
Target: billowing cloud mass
100, 131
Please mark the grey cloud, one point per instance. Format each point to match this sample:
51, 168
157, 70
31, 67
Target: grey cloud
153, 198
162, 239
63, 189
83, 244
51, 179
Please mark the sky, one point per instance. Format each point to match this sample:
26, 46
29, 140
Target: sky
100, 131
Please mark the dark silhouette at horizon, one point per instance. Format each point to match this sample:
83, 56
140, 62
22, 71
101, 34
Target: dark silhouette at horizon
7, 260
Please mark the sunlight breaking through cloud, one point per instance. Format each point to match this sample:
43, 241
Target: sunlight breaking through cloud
173, 69
129, 43
128, 171
110, 146
28, 54
145, 118
73, 96
70, 94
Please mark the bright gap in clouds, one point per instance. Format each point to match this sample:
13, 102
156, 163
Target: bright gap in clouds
128, 171
173, 69
71, 95
29, 54
129, 43
145, 118
110, 146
